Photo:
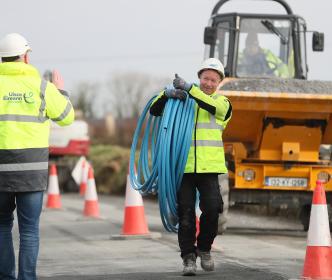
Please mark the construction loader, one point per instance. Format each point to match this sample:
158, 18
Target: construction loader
281, 121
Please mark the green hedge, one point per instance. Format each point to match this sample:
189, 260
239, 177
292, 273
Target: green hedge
110, 164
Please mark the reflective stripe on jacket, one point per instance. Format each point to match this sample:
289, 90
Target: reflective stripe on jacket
26, 105
206, 154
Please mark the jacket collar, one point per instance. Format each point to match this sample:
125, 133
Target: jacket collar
18, 68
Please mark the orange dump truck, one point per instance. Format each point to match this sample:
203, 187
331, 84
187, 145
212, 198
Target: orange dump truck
280, 119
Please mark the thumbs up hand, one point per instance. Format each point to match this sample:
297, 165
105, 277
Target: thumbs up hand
180, 83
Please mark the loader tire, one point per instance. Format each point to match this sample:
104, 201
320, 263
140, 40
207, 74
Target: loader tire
329, 209
305, 216
224, 191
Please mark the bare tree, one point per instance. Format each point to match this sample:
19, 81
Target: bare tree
84, 96
129, 92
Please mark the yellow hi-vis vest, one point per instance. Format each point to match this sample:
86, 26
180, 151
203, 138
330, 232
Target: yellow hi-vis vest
26, 104
274, 62
206, 154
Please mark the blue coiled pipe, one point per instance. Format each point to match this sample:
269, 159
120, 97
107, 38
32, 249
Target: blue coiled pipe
163, 154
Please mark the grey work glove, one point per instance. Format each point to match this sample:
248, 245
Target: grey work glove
175, 93
180, 83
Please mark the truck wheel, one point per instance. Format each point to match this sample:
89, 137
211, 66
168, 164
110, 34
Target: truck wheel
305, 216
329, 209
224, 191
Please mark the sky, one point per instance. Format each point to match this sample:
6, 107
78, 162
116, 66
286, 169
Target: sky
90, 40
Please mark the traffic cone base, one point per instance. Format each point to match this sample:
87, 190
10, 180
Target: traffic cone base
318, 263
53, 201
134, 221
134, 217
91, 209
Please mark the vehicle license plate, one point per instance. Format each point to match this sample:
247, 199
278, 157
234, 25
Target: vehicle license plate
286, 182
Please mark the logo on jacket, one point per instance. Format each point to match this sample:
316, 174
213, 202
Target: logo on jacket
18, 97
28, 97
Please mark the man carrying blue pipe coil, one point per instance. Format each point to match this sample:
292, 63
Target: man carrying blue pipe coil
206, 159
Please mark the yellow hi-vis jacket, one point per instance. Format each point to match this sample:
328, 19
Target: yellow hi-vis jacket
26, 104
206, 153
212, 113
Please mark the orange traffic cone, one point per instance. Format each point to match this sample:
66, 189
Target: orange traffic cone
91, 207
197, 226
53, 193
84, 177
318, 259
198, 215
134, 217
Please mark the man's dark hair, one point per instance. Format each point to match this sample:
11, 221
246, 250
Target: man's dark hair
252, 39
10, 59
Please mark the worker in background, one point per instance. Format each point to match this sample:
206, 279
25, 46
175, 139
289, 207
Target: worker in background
27, 103
258, 61
205, 161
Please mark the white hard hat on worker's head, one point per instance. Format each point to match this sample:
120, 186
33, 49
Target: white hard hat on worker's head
13, 44
212, 64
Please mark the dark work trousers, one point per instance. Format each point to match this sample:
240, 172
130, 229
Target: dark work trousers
210, 203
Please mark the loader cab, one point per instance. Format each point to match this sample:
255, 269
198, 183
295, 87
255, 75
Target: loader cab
260, 45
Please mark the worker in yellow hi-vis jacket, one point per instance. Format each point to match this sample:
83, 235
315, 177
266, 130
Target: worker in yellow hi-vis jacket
27, 103
206, 159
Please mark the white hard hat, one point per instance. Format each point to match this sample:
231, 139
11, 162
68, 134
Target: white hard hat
213, 64
13, 44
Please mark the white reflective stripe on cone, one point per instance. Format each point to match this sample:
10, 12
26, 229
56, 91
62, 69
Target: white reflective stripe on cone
319, 229
53, 185
91, 192
133, 197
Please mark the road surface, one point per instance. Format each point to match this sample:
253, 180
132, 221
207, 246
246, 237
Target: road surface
74, 247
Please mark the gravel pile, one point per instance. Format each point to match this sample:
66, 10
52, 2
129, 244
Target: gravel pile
279, 85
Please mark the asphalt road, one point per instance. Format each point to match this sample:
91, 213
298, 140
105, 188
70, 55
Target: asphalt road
73, 247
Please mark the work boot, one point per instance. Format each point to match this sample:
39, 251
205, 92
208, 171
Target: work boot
189, 265
207, 262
